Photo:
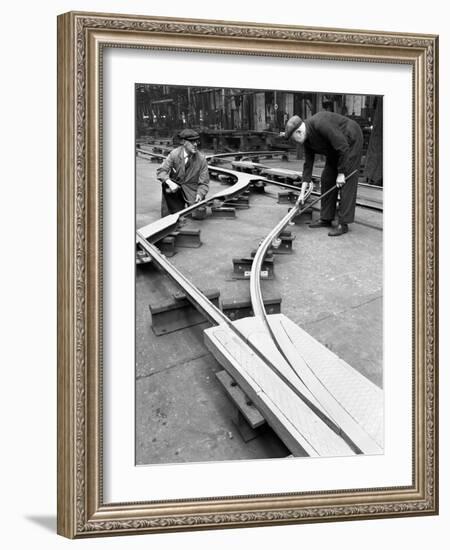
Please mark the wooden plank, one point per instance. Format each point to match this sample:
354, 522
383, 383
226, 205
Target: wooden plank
336, 380
248, 410
291, 418
325, 376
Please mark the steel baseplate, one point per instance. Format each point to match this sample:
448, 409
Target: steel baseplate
177, 312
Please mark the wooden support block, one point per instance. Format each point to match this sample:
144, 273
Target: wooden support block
223, 212
242, 268
177, 312
240, 203
240, 308
167, 246
242, 402
258, 186
187, 238
246, 432
284, 197
212, 294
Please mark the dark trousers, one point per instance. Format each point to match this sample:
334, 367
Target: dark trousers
171, 202
348, 192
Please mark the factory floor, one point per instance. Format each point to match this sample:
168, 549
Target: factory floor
331, 287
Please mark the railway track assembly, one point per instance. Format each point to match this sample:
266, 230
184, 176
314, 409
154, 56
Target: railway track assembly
315, 402
365, 199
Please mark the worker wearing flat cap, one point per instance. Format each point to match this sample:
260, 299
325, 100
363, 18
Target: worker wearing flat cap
340, 139
184, 175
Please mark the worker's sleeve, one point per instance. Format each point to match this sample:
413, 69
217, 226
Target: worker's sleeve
339, 143
163, 172
203, 179
308, 164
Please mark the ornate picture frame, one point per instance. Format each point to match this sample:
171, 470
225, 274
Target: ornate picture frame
82, 39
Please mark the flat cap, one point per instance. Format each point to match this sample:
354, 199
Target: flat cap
190, 135
291, 125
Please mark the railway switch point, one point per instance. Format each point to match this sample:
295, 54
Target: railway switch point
239, 308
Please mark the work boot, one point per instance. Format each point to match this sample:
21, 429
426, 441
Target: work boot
320, 223
338, 230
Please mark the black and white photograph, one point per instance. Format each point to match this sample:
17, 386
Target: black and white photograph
259, 274
203, 349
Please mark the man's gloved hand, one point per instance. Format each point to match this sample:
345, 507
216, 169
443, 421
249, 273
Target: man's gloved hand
198, 198
172, 186
340, 180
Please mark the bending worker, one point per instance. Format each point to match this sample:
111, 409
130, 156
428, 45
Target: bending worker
340, 139
184, 175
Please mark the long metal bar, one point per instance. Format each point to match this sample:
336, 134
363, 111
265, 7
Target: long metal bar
245, 153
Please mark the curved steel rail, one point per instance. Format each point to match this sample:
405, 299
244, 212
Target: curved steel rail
158, 229
255, 280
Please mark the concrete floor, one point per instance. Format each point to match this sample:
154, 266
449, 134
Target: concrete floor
331, 287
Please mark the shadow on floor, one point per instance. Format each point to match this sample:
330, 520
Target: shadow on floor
46, 522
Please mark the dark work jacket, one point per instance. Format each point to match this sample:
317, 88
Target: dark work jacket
337, 137
193, 180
